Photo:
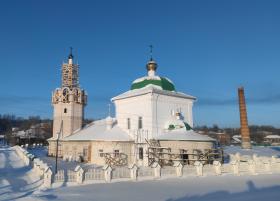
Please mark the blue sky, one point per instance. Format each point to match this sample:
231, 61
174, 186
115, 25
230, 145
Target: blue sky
207, 48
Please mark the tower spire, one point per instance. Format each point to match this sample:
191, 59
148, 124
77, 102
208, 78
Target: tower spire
70, 55
151, 52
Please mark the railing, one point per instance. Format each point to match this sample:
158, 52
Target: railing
168, 170
94, 174
237, 166
145, 172
59, 176
120, 172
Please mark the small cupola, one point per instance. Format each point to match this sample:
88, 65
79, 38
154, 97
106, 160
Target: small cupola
109, 123
151, 66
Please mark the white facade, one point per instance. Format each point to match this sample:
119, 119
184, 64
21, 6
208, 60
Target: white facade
154, 106
72, 116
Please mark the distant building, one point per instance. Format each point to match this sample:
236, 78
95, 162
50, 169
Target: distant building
273, 140
221, 137
2, 140
35, 134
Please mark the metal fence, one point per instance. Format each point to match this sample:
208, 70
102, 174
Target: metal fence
168, 170
208, 170
71, 176
59, 176
94, 174
189, 170
145, 172
120, 172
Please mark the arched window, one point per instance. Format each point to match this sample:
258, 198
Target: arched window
141, 154
65, 110
128, 123
140, 123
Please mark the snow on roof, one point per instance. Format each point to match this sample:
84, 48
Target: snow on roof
237, 138
272, 137
151, 89
155, 77
219, 133
97, 131
20, 133
183, 134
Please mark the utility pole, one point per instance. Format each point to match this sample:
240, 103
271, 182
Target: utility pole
57, 141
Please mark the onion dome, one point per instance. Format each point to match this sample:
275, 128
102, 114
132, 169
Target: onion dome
152, 79
151, 65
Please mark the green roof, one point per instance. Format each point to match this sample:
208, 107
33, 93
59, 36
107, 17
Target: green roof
188, 127
164, 83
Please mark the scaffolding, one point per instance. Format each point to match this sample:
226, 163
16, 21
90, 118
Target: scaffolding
115, 159
166, 157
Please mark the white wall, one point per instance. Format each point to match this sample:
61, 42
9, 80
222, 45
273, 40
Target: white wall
155, 109
133, 108
72, 120
162, 110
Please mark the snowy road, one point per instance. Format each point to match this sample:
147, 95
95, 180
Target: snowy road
16, 179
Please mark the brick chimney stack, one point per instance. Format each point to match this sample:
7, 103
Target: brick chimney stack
245, 134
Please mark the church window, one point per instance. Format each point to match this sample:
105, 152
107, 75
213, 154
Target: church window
65, 110
128, 123
101, 152
140, 123
85, 152
141, 153
116, 153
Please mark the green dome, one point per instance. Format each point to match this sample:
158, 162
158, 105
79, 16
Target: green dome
162, 82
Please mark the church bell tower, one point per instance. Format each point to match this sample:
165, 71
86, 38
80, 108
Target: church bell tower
68, 101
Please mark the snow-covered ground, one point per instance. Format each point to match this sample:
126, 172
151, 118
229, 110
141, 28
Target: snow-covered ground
16, 179
259, 150
19, 182
212, 188
41, 152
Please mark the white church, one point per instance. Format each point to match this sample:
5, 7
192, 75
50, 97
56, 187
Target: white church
153, 123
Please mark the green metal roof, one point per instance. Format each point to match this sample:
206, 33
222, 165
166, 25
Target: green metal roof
163, 83
188, 127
